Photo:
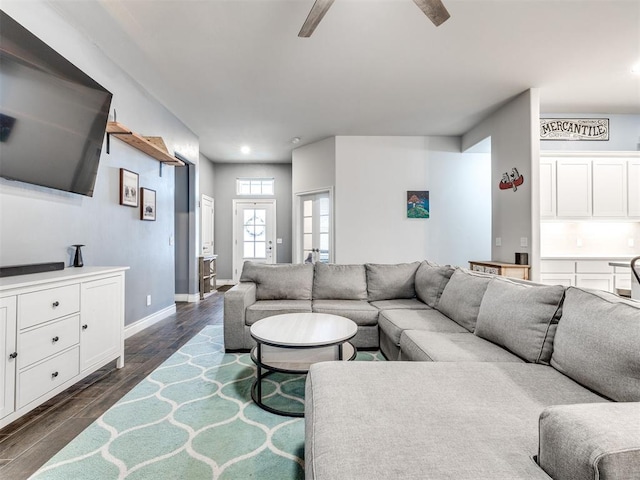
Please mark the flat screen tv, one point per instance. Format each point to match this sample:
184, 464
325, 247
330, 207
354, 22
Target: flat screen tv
52, 115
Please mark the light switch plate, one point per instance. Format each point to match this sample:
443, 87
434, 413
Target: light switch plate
524, 242
498, 241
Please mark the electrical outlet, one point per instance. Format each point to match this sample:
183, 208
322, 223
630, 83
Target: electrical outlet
498, 241
148, 300
578, 242
631, 242
524, 242
171, 240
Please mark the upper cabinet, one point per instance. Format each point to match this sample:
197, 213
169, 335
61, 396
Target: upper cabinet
633, 178
588, 186
609, 188
573, 188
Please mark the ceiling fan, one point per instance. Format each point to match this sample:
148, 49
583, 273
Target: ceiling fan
434, 9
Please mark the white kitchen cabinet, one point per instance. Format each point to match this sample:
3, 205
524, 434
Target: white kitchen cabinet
8, 321
564, 279
44, 345
633, 181
609, 187
598, 281
574, 191
547, 188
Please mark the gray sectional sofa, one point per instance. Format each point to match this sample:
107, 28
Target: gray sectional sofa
495, 379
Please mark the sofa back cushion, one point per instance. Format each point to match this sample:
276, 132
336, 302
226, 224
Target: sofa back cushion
280, 281
521, 318
387, 282
597, 343
340, 282
461, 297
430, 282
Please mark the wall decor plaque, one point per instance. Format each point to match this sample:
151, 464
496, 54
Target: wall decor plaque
574, 129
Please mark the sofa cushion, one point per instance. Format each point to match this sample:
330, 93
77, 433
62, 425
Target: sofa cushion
521, 318
461, 297
597, 343
358, 311
386, 282
439, 420
401, 304
430, 282
418, 345
591, 441
280, 281
340, 282
394, 322
267, 308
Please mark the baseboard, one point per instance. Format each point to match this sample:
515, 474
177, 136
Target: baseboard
187, 297
146, 322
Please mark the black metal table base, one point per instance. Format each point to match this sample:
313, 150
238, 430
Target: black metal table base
256, 386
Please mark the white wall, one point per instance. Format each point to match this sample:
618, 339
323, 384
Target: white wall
40, 224
514, 132
314, 166
373, 175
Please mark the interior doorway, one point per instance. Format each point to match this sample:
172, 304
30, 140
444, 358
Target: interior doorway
254, 233
185, 233
314, 219
206, 225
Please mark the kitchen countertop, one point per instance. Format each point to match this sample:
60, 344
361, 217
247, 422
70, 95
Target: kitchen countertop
626, 258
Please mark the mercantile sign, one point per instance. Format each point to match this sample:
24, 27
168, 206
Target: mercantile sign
574, 129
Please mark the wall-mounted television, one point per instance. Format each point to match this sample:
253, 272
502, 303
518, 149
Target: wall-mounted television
52, 115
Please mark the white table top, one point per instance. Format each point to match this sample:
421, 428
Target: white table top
303, 329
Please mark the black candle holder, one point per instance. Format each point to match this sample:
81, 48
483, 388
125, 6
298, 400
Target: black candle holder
77, 260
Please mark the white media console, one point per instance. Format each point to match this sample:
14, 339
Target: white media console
55, 329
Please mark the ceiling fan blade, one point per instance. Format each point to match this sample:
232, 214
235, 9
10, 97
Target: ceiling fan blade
434, 9
318, 10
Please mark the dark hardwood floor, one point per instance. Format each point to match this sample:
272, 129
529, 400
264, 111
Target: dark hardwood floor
27, 443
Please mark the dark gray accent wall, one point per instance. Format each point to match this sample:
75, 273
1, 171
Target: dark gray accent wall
224, 188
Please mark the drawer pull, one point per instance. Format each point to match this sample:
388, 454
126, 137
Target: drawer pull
85, 326
13, 355
55, 304
54, 374
55, 339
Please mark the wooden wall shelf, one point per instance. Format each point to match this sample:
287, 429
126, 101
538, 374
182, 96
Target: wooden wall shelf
152, 146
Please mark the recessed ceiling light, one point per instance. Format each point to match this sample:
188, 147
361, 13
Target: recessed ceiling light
246, 150
636, 69
295, 140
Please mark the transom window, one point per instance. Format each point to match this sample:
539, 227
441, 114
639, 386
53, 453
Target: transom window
255, 186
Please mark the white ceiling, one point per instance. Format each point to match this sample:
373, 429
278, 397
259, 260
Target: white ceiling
235, 71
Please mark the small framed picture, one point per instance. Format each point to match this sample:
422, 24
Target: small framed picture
128, 188
147, 204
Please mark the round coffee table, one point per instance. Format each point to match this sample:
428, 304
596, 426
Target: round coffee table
292, 342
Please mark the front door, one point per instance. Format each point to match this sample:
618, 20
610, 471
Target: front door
254, 236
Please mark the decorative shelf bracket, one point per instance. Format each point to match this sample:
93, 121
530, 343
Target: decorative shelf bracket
152, 146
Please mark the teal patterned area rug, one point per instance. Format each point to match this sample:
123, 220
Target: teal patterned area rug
193, 418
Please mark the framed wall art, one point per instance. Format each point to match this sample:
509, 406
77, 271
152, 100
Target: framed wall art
147, 204
128, 188
417, 204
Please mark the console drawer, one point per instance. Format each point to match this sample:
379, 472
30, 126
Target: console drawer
43, 377
42, 342
45, 305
